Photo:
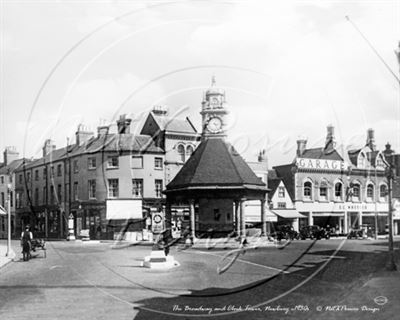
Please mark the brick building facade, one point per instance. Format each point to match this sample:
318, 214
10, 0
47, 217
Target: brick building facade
76, 182
343, 191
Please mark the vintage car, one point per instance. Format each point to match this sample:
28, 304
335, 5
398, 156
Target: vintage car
285, 232
313, 232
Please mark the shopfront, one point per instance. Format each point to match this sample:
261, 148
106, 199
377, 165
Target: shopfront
333, 215
48, 223
88, 220
289, 217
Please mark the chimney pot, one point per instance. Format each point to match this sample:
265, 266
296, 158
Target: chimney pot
102, 130
160, 110
371, 139
10, 154
330, 137
82, 134
48, 147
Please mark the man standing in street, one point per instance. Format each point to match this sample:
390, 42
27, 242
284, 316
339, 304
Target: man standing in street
26, 238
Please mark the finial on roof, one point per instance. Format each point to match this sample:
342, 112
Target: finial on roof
213, 82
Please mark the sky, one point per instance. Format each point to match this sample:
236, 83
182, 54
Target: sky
289, 68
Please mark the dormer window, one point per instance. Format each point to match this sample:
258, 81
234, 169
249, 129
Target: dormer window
379, 162
361, 161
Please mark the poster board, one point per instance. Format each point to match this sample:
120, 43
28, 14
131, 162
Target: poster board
123, 209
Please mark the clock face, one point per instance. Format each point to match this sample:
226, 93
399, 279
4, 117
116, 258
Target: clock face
214, 125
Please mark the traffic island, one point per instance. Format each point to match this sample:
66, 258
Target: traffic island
158, 260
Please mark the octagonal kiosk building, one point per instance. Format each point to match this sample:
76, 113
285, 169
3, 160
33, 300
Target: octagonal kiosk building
216, 181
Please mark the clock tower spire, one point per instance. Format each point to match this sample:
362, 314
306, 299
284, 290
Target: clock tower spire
213, 112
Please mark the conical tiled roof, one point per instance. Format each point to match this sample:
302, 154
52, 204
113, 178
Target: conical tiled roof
215, 163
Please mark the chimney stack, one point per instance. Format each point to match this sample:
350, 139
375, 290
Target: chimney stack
124, 124
102, 130
10, 154
82, 135
330, 137
301, 146
48, 147
262, 157
371, 139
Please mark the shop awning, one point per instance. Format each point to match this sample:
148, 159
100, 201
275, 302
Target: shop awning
288, 213
2, 210
269, 217
253, 213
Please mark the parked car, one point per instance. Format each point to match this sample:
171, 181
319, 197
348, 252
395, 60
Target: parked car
313, 232
285, 232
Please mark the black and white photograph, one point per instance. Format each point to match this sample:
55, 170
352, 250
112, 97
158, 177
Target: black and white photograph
199, 159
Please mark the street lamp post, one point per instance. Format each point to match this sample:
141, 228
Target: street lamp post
10, 252
348, 195
391, 265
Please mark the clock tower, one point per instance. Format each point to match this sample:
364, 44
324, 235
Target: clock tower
213, 112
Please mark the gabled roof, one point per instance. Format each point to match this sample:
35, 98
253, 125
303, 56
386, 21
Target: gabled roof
215, 163
371, 156
285, 173
353, 156
273, 184
272, 174
321, 153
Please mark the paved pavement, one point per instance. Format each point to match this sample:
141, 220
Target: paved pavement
94, 281
3, 253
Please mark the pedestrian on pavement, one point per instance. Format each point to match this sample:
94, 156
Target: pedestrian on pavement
26, 243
